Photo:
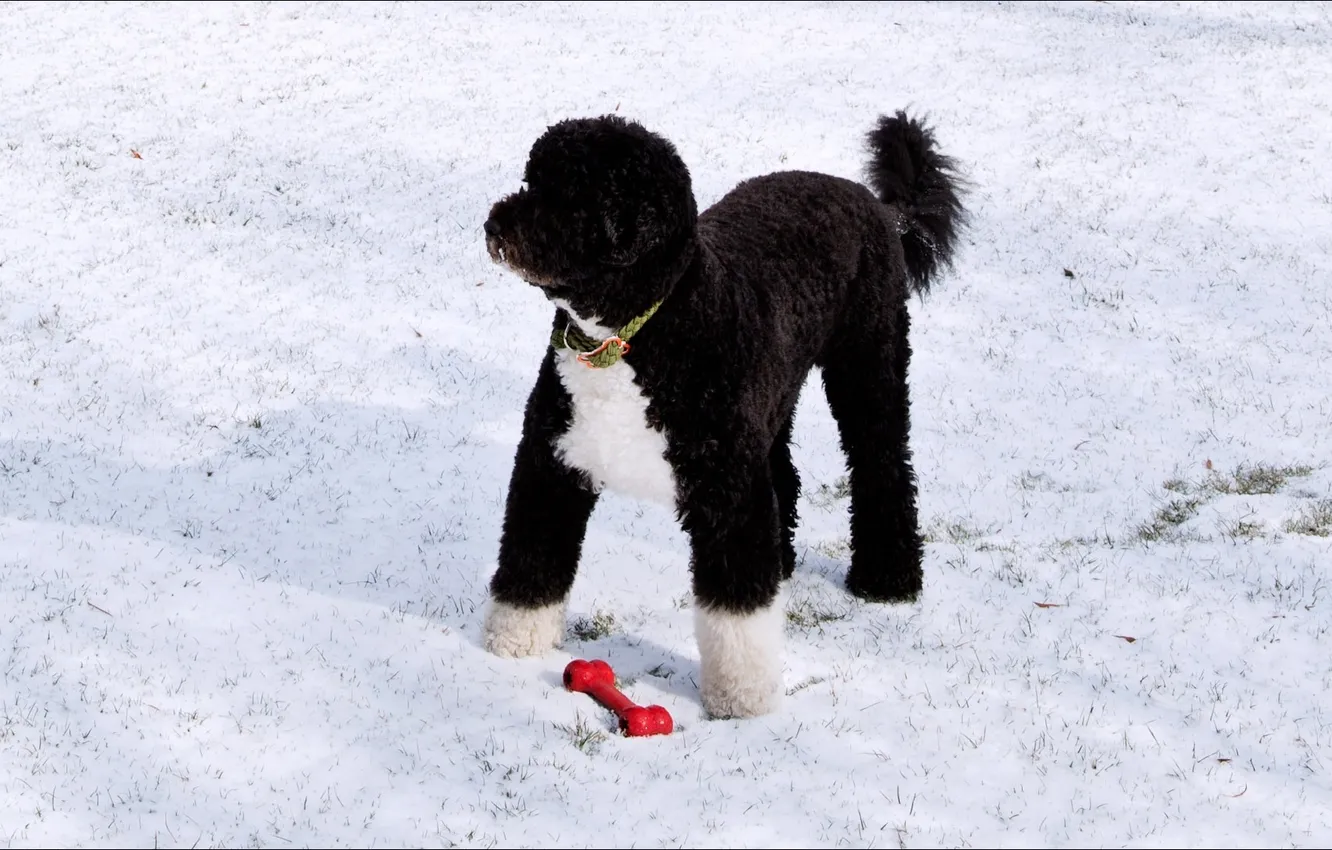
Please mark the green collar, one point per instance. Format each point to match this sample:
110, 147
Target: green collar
598, 354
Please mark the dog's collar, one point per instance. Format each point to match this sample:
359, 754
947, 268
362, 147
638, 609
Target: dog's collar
594, 353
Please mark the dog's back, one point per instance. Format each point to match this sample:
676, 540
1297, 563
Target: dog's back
916, 200
802, 259
790, 219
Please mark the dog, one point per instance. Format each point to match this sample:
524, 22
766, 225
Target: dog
679, 346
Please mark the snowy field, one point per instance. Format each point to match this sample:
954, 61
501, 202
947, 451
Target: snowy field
260, 388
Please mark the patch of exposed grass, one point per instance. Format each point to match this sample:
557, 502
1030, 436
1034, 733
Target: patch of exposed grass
1040, 482
1009, 548
837, 549
1177, 485
807, 683
1242, 529
1165, 523
598, 626
825, 496
805, 614
952, 531
584, 736
1012, 572
1258, 479
1254, 480
1083, 542
1314, 519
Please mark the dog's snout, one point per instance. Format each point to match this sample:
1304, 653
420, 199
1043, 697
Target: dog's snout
491, 227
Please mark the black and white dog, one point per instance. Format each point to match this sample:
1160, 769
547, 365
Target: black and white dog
679, 347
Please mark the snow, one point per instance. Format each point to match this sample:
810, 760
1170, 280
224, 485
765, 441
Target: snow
260, 388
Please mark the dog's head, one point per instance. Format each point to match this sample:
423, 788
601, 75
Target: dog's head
608, 206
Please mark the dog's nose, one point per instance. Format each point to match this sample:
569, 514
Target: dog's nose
491, 228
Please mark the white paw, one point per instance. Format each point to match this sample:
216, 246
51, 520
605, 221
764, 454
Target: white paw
513, 632
741, 659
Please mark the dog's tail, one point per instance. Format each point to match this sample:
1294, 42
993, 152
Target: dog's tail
907, 171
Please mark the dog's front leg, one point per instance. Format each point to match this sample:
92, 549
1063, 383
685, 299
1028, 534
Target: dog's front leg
545, 520
731, 516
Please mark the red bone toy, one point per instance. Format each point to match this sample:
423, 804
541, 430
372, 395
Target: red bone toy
596, 679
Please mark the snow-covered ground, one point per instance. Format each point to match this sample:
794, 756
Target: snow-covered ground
260, 388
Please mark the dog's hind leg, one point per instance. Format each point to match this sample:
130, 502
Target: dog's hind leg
865, 377
545, 521
786, 483
730, 514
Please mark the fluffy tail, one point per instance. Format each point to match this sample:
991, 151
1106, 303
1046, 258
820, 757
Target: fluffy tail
907, 171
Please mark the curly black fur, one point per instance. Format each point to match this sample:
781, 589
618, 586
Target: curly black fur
789, 271
607, 218
907, 171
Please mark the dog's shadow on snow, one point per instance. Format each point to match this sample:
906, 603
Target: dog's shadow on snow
814, 567
646, 669
642, 667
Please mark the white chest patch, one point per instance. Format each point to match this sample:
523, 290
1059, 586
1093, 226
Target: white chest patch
609, 438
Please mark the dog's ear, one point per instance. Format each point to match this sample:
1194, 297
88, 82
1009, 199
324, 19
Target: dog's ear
630, 237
